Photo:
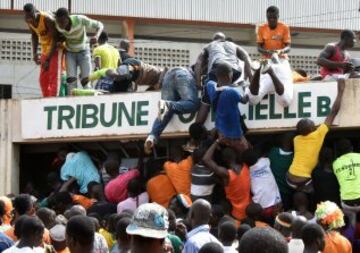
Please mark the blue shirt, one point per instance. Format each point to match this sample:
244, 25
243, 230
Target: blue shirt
226, 100
82, 168
197, 238
5, 242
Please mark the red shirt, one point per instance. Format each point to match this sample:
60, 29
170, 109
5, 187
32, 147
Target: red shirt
116, 189
336, 57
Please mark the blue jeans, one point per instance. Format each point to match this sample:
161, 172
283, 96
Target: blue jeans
181, 96
74, 60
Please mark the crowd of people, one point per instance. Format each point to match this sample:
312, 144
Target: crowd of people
218, 192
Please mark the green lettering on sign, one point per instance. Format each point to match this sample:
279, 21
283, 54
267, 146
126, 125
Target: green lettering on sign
302, 105
251, 112
130, 118
112, 120
323, 106
65, 114
187, 118
289, 115
273, 115
49, 110
78, 116
90, 113
260, 107
141, 113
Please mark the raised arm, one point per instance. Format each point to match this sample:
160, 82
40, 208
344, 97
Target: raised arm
244, 56
35, 44
336, 106
212, 165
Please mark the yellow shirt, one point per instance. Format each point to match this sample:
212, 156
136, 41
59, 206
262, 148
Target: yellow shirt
108, 237
307, 149
42, 32
108, 54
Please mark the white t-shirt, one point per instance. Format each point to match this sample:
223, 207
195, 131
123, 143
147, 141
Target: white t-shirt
132, 203
263, 185
15, 249
296, 246
230, 249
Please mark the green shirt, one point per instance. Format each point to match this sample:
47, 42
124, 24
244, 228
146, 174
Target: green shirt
76, 38
279, 163
347, 171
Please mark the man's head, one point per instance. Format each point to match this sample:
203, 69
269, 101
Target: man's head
297, 225
32, 230
18, 226
200, 213
103, 38
254, 211
47, 216
263, 240
286, 141
227, 233
23, 204
329, 215
211, 247
217, 213
60, 202
228, 155
243, 228
348, 38
148, 228
80, 234
112, 167
198, 155
62, 17
224, 73
250, 157
283, 223
121, 236
197, 131
76, 210
272, 16
58, 237
135, 187
30, 13
305, 127
344, 146
219, 36
125, 45
313, 237
95, 190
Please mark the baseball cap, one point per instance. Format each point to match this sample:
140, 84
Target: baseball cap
150, 220
57, 233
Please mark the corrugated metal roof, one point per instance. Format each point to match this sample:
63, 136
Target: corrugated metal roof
328, 14
46, 5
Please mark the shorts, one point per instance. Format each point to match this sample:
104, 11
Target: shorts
283, 72
305, 186
239, 144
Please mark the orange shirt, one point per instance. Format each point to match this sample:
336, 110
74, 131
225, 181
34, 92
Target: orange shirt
42, 32
160, 190
83, 201
238, 192
274, 39
46, 236
180, 175
336, 243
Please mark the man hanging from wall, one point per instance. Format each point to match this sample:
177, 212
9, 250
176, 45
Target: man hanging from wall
220, 50
334, 59
274, 74
42, 27
74, 28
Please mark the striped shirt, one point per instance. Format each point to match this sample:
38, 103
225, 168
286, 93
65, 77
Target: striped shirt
76, 38
202, 182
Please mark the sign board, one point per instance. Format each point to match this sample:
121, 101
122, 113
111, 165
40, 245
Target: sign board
133, 113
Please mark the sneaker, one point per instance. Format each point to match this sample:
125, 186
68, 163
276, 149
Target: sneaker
163, 109
149, 144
